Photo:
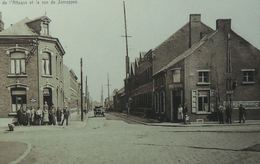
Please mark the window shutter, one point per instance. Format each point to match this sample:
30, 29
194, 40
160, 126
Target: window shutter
194, 99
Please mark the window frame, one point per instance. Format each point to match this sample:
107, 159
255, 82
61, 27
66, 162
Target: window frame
15, 61
247, 77
201, 79
173, 75
209, 104
44, 64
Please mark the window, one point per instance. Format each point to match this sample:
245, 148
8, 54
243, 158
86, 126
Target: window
162, 101
203, 77
18, 98
248, 76
203, 101
176, 76
45, 29
18, 63
46, 64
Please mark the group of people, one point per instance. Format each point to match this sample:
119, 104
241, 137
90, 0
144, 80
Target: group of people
48, 116
183, 114
227, 111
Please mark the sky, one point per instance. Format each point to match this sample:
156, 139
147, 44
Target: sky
93, 29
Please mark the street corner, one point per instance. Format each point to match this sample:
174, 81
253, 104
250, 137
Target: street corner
13, 152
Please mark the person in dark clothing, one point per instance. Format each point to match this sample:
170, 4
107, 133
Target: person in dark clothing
58, 115
19, 116
185, 114
242, 114
221, 114
229, 114
66, 114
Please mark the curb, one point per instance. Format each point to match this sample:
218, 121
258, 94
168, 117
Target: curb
188, 125
28, 150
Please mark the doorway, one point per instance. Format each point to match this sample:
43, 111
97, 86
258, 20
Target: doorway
47, 96
176, 100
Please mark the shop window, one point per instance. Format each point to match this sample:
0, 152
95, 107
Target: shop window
18, 63
248, 76
46, 64
203, 101
18, 99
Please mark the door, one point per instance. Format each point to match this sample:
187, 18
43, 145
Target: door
176, 100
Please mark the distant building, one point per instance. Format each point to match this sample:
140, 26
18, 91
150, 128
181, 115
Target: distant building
219, 68
31, 66
119, 100
140, 85
71, 88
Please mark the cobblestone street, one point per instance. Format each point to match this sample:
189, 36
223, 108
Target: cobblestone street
112, 140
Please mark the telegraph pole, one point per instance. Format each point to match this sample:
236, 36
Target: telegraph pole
108, 88
102, 96
81, 89
86, 93
126, 42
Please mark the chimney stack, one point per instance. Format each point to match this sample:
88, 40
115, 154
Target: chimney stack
1, 23
223, 24
194, 28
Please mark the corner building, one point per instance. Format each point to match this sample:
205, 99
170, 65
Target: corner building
31, 66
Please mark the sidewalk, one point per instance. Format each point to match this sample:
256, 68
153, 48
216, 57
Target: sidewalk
153, 122
74, 120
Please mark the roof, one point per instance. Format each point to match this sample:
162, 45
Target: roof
19, 28
187, 52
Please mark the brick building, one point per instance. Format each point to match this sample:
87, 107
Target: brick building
31, 66
171, 48
71, 88
220, 68
140, 85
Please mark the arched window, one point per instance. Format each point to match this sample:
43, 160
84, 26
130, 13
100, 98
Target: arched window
46, 64
18, 63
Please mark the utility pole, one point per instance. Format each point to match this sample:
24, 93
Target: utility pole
108, 92
86, 93
81, 89
126, 42
126, 61
102, 96
108, 88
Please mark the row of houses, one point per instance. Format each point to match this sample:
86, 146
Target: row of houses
32, 69
198, 67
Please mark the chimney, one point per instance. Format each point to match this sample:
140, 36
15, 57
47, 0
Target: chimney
194, 28
1, 23
223, 24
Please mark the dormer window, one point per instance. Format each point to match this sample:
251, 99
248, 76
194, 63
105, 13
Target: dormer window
45, 28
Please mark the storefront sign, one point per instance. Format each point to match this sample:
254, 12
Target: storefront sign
246, 104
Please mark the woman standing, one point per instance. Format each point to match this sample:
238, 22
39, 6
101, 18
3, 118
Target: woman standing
180, 113
45, 117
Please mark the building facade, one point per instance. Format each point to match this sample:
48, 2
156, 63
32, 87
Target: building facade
140, 86
220, 69
171, 48
31, 66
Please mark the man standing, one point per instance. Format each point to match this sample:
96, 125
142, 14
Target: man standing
66, 113
229, 114
242, 113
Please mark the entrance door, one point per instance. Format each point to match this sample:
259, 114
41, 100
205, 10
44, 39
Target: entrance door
176, 101
47, 96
